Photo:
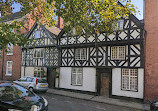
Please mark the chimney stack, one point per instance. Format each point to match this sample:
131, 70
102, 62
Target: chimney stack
60, 22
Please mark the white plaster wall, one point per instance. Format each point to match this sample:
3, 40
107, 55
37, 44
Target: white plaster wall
116, 84
28, 71
89, 79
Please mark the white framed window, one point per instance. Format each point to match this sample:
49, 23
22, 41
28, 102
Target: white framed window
76, 77
130, 79
37, 34
9, 68
10, 49
40, 72
120, 24
118, 52
38, 53
80, 54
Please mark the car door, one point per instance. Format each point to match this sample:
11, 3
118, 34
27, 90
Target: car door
29, 81
21, 81
24, 82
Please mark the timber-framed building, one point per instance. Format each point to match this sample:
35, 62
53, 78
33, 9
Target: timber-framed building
109, 65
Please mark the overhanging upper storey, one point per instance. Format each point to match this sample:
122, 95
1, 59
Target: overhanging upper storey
129, 29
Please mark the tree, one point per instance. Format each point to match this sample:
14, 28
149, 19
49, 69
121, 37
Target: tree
93, 15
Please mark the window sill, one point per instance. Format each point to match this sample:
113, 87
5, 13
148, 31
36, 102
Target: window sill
129, 90
9, 54
117, 59
80, 59
76, 84
8, 74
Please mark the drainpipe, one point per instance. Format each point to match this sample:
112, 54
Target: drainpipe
25, 62
2, 64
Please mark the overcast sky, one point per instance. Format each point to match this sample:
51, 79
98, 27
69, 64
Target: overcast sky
137, 3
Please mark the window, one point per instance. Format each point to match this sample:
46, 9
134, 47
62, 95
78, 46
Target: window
118, 52
130, 79
80, 54
38, 53
120, 24
28, 79
0, 14
76, 78
9, 68
38, 34
10, 49
40, 72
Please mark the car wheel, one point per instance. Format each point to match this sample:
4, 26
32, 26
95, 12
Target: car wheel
31, 89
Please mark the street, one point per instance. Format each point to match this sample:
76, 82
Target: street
62, 103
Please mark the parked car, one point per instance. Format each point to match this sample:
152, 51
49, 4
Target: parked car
14, 97
33, 83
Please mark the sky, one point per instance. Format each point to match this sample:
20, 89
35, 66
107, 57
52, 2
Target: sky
137, 3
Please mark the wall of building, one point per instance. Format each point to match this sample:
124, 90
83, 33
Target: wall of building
89, 79
151, 51
116, 84
16, 67
29, 71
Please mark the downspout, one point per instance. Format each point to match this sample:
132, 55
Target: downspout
25, 63
2, 64
144, 45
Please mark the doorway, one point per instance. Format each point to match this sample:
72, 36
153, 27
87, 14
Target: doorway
105, 84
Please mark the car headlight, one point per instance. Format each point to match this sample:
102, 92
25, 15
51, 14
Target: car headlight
45, 101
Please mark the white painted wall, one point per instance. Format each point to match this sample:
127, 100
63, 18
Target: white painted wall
28, 71
116, 84
89, 79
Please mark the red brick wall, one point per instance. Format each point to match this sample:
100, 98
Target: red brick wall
151, 51
16, 68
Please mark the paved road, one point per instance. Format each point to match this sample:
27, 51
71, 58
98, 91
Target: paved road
62, 103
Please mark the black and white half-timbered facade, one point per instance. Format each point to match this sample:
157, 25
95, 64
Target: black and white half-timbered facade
40, 57
110, 65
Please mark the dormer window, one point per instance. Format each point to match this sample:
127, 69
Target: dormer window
120, 24
38, 34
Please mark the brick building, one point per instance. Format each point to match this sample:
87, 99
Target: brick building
151, 59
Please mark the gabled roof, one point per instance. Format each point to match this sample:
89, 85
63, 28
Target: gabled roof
52, 31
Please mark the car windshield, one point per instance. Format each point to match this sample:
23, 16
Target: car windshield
13, 92
42, 81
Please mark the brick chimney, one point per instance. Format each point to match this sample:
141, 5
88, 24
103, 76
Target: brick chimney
60, 22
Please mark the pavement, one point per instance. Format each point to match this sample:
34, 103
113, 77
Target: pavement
101, 99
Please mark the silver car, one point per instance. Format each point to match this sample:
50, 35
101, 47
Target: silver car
33, 83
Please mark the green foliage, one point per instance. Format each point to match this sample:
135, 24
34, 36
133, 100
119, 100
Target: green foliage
8, 36
93, 15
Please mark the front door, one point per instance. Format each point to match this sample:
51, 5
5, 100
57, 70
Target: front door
105, 84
